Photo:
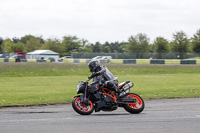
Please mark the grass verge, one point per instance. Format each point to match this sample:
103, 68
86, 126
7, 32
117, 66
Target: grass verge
25, 84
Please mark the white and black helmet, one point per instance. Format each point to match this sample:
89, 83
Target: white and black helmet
93, 64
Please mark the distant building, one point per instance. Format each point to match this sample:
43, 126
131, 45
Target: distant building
43, 55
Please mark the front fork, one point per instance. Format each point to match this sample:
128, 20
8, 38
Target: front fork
83, 97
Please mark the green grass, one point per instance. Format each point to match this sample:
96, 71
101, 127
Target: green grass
65, 69
37, 90
167, 85
47, 83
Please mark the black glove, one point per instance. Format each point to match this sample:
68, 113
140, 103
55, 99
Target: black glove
91, 76
94, 74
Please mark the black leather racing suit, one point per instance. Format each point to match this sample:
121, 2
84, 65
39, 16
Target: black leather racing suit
105, 78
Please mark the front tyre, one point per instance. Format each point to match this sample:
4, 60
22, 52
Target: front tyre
136, 107
81, 108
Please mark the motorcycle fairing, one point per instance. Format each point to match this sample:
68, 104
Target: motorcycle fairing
94, 87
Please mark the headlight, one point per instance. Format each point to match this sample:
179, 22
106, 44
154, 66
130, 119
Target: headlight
81, 87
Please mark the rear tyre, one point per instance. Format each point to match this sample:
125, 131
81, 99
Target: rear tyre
81, 108
136, 107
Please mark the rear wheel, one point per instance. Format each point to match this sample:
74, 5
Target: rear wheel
135, 107
82, 108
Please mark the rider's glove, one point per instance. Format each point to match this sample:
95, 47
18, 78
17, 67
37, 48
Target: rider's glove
91, 76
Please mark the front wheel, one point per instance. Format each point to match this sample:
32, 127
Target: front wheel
81, 108
136, 107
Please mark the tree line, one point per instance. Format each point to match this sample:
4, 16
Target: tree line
135, 43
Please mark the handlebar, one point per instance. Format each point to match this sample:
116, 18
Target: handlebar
89, 78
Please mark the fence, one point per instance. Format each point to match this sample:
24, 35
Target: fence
141, 55
138, 61
116, 61
22, 60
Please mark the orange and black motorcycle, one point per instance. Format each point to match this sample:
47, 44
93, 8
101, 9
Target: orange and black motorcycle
95, 97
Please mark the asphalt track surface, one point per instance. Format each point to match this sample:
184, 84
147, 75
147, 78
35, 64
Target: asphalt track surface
159, 116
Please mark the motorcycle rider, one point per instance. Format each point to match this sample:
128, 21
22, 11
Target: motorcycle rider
103, 76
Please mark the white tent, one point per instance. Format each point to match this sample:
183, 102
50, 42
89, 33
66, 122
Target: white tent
42, 54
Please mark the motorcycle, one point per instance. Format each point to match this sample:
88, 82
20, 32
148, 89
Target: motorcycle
96, 97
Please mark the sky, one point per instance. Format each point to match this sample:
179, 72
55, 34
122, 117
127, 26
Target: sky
98, 20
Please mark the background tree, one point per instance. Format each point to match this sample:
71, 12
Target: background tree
54, 45
138, 43
1, 42
18, 46
25, 38
161, 45
122, 46
180, 44
97, 48
15, 40
7, 46
86, 46
71, 44
196, 41
32, 44
106, 47
114, 46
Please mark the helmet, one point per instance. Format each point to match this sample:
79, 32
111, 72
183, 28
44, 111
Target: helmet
93, 64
